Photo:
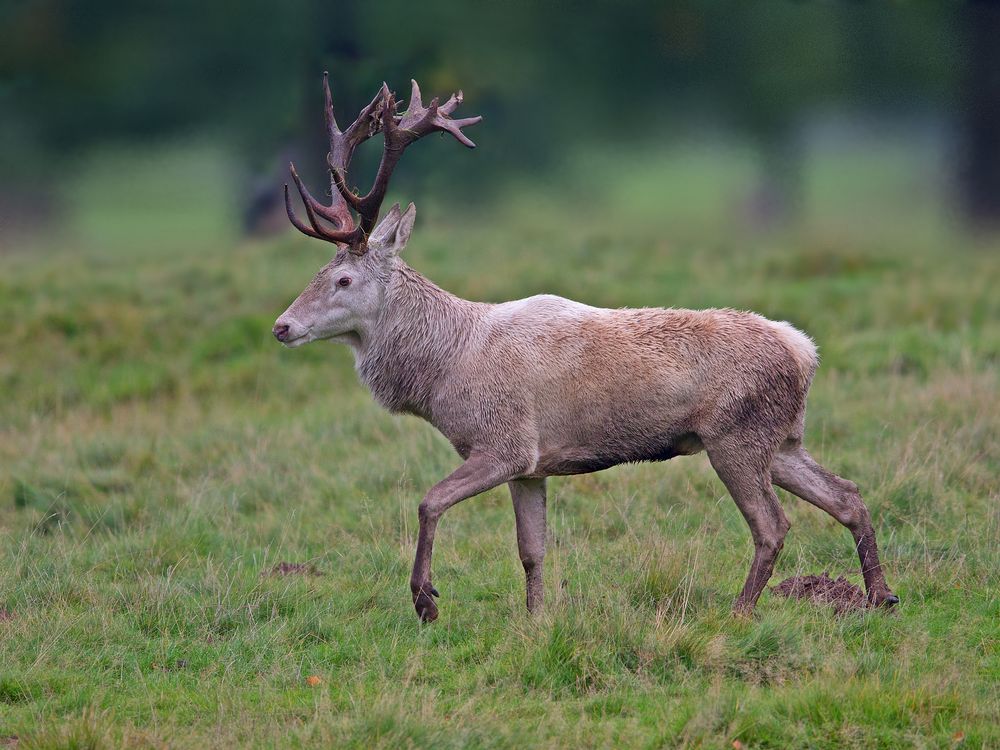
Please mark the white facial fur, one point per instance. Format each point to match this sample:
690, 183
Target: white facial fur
344, 299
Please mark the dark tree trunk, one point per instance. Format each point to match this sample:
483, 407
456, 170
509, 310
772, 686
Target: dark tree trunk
777, 199
979, 177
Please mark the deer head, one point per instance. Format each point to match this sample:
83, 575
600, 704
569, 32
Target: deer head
347, 294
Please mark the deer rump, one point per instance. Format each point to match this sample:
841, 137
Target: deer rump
586, 388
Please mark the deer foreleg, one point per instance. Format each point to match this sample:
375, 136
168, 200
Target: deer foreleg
478, 474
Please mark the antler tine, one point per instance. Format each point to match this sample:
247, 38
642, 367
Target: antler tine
346, 193
307, 200
328, 115
416, 122
343, 143
296, 222
415, 101
314, 207
398, 132
317, 230
453, 101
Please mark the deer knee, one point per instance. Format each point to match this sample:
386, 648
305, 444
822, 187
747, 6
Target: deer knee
774, 543
428, 511
852, 511
532, 559
769, 546
771, 539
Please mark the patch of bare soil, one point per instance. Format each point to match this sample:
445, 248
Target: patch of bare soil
293, 569
843, 595
5, 614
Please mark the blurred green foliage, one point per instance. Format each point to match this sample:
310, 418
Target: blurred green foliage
547, 75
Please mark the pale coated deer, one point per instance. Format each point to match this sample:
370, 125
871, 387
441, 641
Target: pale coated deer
546, 386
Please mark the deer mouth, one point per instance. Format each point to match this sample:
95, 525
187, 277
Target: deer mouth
303, 338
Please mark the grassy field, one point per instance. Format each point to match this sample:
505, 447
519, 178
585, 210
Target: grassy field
159, 453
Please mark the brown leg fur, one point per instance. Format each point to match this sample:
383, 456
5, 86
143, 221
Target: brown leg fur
742, 465
793, 469
529, 514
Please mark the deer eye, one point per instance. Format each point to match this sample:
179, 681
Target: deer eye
344, 281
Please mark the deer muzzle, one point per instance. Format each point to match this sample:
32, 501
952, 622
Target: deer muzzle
280, 331
290, 332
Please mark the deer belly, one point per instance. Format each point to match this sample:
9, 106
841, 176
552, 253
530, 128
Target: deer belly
608, 450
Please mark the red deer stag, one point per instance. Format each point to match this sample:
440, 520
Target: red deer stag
545, 386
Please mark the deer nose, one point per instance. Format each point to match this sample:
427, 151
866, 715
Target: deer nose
280, 331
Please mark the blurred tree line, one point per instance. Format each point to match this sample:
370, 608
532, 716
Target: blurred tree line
547, 75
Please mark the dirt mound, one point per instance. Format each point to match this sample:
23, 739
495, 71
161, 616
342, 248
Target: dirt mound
293, 569
843, 595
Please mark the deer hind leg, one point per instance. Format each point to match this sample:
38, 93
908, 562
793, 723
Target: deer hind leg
793, 469
742, 465
529, 515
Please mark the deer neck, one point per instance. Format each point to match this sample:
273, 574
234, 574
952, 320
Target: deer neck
420, 335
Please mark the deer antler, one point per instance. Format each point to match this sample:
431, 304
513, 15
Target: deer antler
398, 132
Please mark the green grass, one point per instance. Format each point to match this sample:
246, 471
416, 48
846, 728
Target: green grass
158, 452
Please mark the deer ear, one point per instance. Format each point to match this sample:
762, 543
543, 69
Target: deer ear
393, 232
404, 228
382, 233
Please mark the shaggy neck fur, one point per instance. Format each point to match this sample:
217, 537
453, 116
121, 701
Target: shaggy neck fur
421, 331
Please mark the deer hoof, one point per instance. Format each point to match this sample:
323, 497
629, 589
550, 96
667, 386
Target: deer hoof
887, 600
426, 609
